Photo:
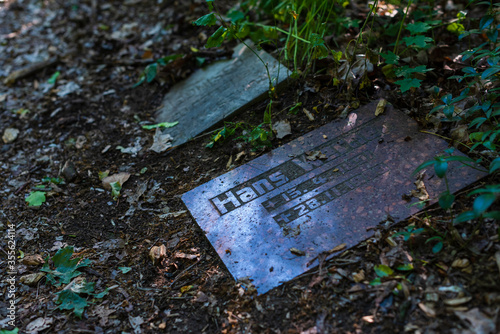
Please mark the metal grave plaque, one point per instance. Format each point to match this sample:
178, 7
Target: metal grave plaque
215, 92
256, 213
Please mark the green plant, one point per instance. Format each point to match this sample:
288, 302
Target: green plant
221, 135
35, 198
65, 269
150, 72
411, 77
65, 272
482, 84
412, 231
6, 331
385, 272
258, 136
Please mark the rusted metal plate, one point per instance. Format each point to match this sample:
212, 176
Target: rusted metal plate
256, 213
215, 92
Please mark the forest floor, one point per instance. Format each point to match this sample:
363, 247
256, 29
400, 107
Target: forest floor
70, 128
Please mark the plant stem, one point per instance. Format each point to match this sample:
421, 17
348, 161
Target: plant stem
401, 26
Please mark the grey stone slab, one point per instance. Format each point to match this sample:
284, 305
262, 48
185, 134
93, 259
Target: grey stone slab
213, 93
256, 213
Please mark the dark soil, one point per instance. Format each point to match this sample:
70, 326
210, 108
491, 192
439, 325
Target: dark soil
102, 47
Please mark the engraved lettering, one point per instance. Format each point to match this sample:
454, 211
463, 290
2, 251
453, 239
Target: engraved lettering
282, 219
278, 179
261, 185
302, 209
229, 203
246, 194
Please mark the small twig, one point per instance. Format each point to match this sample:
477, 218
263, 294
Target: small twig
183, 272
28, 70
21, 188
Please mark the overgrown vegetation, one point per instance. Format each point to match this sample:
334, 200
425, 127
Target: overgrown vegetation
298, 30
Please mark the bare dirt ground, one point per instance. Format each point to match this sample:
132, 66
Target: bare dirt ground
70, 129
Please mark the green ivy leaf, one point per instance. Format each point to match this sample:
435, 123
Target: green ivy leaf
405, 267
52, 80
115, 189
6, 331
65, 268
405, 71
492, 214
383, 271
485, 22
419, 41
437, 247
482, 203
440, 167
150, 72
464, 216
407, 84
36, 198
124, 270
494, 165
235, 15
69, 300
206, 20
424, 165
217, 38
446, 200
489, 72
490, 189
418, 27
390, 58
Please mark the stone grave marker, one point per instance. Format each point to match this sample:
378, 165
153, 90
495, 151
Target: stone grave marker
285, 199
215, 92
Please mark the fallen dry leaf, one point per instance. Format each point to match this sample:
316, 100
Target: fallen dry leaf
33, 260
368, 318
478, 322
421, 192
282, 129
239, 155
380, 107
201, 297
161, 141
457, 301
297, 252
460, 263
120, 178
39, 324
359, 277
337, 248
9, 135
157, 253
427, 310
308, 114
314, 155
31, 279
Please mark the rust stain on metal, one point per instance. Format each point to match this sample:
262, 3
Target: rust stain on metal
283, 200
